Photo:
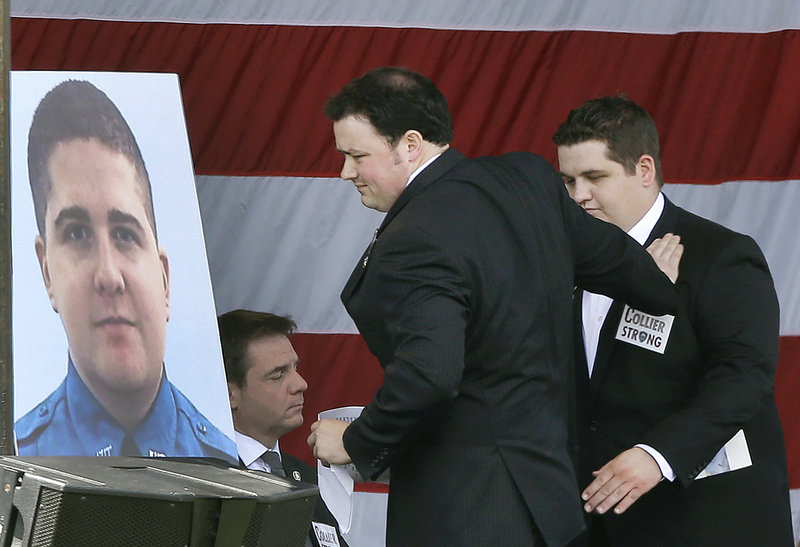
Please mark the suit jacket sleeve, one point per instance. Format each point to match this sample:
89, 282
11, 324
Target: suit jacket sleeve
423, 300
607, 260
734, 311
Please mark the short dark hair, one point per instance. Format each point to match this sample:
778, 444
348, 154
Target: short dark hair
395, 100
238, 328
76, 109
625, 127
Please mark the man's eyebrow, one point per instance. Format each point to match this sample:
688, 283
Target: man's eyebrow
72, 213
285, 366
355, 152
115, 216
280, 368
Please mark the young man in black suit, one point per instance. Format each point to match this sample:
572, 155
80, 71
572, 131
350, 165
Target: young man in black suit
266, 395
464, 297
663, 395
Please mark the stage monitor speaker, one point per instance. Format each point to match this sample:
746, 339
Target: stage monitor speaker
149, 502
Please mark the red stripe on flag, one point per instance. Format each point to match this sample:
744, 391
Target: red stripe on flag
725, 103
787, 380
371, 487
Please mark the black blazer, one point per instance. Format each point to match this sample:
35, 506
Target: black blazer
715, 378
465, 299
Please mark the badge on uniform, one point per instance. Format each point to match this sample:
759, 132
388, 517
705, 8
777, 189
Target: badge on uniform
650, 332
325, 534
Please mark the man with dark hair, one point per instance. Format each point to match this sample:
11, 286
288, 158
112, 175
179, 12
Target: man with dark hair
670, 400
464, 297
266, 396
108, 279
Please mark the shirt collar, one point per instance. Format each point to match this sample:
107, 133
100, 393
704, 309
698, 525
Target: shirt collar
641, 230
250, 449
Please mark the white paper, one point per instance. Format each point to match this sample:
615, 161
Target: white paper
734, 455
336, 482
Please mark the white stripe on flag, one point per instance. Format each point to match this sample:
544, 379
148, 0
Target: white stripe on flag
663, 17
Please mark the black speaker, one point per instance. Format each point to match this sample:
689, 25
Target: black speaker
163, 502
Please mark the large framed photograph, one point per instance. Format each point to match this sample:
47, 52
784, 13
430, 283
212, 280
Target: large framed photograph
115, 342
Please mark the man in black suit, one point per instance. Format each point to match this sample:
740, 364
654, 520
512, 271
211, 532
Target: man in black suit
663, 395
464, 296
266, 395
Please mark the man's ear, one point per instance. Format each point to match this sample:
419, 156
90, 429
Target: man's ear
41, 254
162, 255
412, 142
646, 168
234, 394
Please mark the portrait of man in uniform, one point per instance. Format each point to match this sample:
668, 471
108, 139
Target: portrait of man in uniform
108, 278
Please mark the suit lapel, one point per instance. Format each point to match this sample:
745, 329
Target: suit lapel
666, 223
605, 345
581, 367
358, 271
447, 161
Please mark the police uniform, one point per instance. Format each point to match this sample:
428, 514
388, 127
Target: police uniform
71, 422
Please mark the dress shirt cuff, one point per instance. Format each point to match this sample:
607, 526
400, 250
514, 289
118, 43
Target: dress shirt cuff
666, 469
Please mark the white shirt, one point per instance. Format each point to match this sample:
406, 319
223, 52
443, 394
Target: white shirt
595, 309
250, 451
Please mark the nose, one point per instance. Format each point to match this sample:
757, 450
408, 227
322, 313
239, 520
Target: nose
299, 384
580, 191
349, 171
108, 278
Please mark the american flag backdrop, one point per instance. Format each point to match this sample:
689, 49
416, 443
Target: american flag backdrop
721, 78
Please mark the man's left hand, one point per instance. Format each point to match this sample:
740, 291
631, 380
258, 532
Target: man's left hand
621, 482
667, 252
326, 442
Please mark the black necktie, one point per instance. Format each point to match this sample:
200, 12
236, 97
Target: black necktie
273, 460
129, 447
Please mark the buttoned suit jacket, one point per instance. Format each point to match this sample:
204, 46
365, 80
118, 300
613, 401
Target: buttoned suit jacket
715, 378
464, 298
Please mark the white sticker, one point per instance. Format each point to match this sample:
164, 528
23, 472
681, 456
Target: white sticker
326, 534
647, 331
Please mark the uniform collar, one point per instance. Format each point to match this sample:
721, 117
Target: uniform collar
100, 434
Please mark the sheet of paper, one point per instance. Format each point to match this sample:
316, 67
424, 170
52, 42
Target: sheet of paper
734, 455
336, 482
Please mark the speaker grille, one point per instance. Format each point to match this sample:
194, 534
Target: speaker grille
66, 518
275, 525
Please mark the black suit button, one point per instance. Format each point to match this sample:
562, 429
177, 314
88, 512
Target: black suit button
593, 425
